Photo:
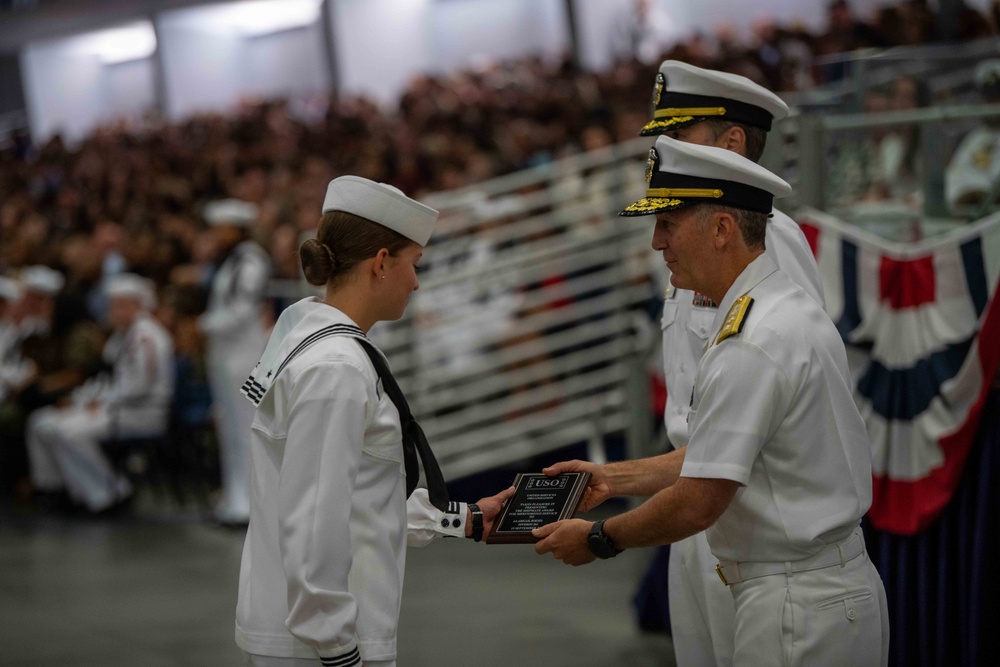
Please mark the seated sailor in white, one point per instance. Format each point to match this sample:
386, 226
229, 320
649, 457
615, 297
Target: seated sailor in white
64, 443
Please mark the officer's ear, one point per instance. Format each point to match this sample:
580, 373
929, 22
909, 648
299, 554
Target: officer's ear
725, 228
734, 139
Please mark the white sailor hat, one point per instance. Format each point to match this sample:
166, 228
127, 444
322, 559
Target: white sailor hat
10, 289
130, 285
681, 174
987, 76
381, 203
42, 279
230, 212
684, 94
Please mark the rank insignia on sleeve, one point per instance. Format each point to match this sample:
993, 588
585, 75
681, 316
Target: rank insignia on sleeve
735, 318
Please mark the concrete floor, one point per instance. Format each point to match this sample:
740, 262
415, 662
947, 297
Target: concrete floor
160, 591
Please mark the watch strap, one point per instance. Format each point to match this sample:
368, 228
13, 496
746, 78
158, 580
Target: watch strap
477, 522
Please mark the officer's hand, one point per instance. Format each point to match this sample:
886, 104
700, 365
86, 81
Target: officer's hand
565, 540
490, 508
598, 488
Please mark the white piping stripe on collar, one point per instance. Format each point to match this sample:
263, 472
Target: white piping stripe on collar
255, 391
322, 333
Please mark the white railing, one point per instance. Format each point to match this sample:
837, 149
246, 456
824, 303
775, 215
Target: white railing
530, 329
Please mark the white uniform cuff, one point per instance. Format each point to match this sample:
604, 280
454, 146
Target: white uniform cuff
453, 520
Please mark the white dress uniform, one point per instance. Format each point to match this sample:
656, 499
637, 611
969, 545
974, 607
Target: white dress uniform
322, 571
235, 339
701, 616
64, 444
772, 409
975, 167
702, 612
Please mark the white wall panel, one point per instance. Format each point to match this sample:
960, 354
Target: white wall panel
288, 62
210, 64
130, 88
69, 90
601, 21
381, 44
464, 31
201, 66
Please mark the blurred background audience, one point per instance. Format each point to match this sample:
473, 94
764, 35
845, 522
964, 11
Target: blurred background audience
131, 196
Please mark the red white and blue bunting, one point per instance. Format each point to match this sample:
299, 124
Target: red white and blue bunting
922, 328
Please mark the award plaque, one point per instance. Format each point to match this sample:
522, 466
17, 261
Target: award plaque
538, 500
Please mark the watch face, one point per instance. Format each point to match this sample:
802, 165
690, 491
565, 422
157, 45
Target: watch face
600, 545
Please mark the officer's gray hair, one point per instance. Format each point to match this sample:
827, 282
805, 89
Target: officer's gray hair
756, 138
752, 224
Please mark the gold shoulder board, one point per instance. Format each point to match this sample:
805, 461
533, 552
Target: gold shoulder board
735, 318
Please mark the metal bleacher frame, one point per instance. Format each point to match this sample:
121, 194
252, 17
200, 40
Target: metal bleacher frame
827, 118
535, 324
532, 327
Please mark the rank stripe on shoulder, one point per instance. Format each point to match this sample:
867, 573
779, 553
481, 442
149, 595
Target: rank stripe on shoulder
735, 318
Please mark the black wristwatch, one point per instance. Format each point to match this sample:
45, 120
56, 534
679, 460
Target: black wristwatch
598, 542
477, 522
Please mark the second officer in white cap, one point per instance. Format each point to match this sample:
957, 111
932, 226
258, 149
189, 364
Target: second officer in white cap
710, 108
235, 337
336, 453
777, 469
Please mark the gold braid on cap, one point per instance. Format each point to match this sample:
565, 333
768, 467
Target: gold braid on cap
648, 204
671, 112
684, 192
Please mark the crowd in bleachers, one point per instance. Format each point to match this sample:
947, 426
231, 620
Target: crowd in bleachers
130, 197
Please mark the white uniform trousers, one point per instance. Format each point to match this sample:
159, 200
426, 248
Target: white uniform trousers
702, 612
268, 661
834, 616
229, 365
64, 451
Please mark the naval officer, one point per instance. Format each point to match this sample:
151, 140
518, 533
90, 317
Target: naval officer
777, 470
728, 111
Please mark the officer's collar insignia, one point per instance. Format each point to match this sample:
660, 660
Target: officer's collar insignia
651, 164
669, 292
735, 318
661, 83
